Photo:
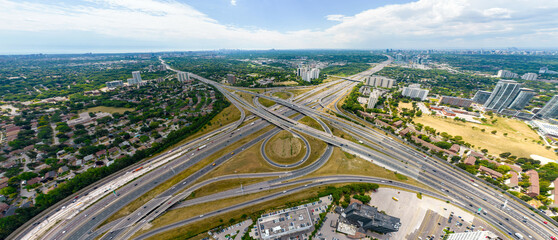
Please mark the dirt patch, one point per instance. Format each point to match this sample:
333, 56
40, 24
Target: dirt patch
284, 147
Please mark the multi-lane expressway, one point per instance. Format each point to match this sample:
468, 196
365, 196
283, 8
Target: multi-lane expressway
376, 146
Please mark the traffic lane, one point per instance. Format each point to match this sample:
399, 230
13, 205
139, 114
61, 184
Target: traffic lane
150, 161
124, 200
198, 174
267, 198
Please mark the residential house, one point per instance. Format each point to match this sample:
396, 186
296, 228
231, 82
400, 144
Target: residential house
470, 160
534, 189
455, 148
490, 172
63, 169
513, 180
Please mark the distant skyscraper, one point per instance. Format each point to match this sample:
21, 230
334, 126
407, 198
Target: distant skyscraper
550, 109
231, 79
529, 76
522, 99
379, 81
503, 95
136, 75
481, 96
136, 78
183, 76
506, 74
414, 91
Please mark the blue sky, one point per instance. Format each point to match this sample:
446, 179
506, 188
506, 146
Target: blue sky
77, 26
283, 15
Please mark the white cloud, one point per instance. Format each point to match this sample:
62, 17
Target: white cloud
420, 24
335, 17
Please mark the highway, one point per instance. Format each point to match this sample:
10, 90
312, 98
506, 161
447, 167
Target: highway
80, 222
312, 182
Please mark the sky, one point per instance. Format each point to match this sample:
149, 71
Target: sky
79, 26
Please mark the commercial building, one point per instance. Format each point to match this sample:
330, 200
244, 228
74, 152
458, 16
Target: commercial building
479, 235
292, 223
275, 226
522, 99
503, 95
481, 97
456, 101
506, 74
183, 77
114, 84
379, 81
530, 76
308, 74
369, 218
414, 91
231, 79
546, 128
550, 109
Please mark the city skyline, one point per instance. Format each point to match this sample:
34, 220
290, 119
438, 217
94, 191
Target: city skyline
156, 25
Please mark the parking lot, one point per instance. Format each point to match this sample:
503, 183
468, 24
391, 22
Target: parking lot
420, 217
227, 233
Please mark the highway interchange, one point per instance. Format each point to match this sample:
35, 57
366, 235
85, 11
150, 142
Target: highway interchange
79, 219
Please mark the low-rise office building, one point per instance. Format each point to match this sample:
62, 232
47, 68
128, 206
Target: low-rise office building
456, 101
368, 218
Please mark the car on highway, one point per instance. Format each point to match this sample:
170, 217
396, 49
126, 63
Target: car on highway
213, 164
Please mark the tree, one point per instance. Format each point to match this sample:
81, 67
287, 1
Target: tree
8, 190
503, 168
444, 145
494, 132
27, 175
505, 154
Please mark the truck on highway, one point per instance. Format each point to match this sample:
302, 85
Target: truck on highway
518, 236
202, 147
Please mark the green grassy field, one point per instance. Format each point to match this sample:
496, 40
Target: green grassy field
282, 95
266, 102
521, 140
311, 123
284, 148
110, 110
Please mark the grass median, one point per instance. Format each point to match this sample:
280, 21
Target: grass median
224, 185
285, 148
266, 102
252, 161
282, 95
308, 121
191, 230
343, 163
